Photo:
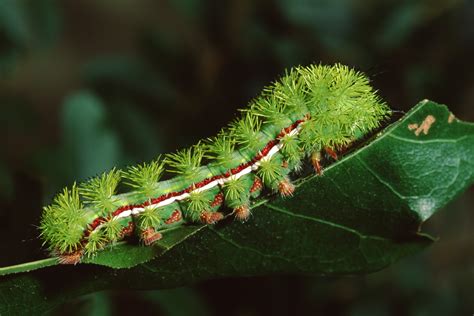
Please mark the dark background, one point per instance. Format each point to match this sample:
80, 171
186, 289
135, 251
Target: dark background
88, 85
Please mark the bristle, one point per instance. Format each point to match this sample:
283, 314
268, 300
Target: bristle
112, 230
291, 149
245, 130
198, 201
144, 177
220, 148
317, 81
62, 222
186, 161
99, 191
242, 213
271, 110
291, 91
95, 241
149, 218
211, 218
286, 188
70, 258
269, 171
234, 189
331, 153
316, 162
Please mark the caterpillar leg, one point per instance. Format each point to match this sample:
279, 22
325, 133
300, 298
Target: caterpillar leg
331, 153
286, 188
242, 213
149, 236
211, 218
275, 174
71, 258
316, 162
153, 220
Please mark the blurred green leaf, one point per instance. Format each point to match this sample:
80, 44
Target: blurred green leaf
120, 73
331, 21
138, 130
29, 23
89, 143
14, 22
92, 144
402, 21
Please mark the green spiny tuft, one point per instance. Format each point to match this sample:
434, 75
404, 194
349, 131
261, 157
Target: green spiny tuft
112, 230
95, 242
234, 189
291, 91
291, 149
100, 190
144, 177
63, 222
270, 171
245, 130
220, 148
318, 133
186, 162
149, 218
198, 202
342, 104
317, 81
272, 110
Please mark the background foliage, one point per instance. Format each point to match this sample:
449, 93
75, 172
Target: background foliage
87, 85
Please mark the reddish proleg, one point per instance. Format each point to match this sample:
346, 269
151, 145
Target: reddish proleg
242, 213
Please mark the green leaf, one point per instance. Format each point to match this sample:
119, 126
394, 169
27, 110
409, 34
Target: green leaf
363, 214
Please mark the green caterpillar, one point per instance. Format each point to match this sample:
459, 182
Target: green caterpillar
309, 110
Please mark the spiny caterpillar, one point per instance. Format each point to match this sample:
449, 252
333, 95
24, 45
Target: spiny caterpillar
310, 110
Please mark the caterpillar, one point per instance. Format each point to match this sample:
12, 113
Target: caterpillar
310, 111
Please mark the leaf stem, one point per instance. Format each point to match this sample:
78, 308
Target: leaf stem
28, 266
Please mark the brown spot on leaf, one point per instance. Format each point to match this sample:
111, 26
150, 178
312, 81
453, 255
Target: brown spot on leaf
412, 126
424, 127
451, 118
